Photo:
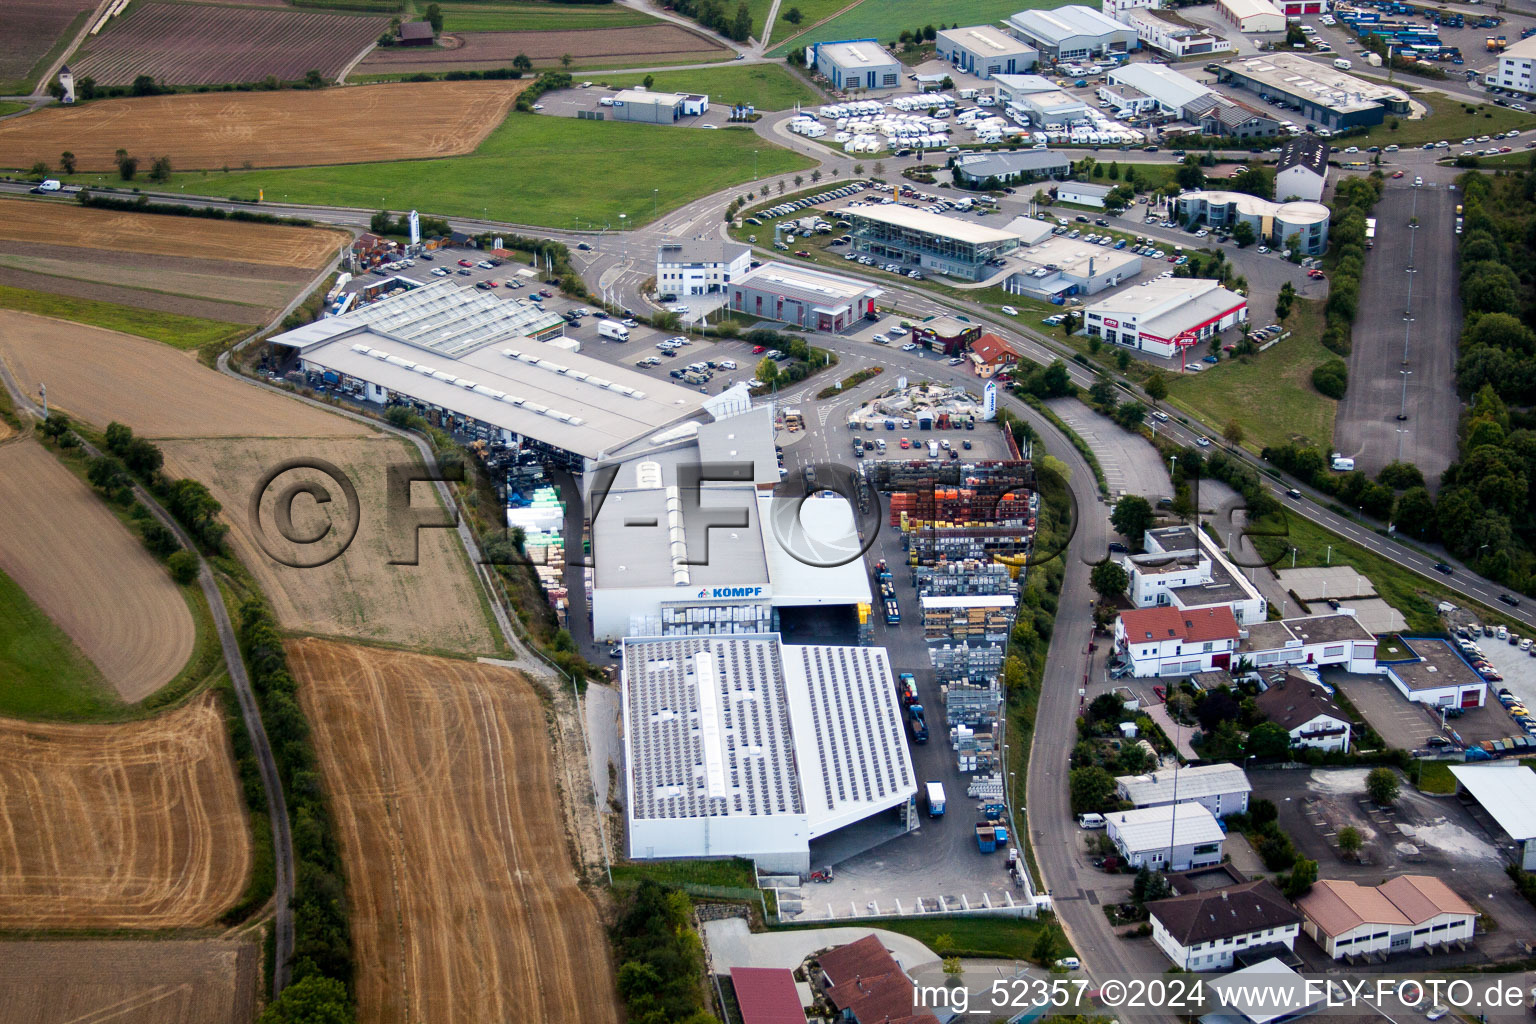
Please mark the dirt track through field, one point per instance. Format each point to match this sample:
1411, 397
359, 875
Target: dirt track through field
61, 545
464, 904
200, 981
213, 131
434, 604
140, 825
52, 222
484, 50
101, 376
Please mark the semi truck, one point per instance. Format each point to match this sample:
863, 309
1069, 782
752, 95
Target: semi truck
917, 724
935, 791
615, 332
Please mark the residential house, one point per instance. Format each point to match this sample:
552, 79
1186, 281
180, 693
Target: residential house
1306, 712
1176, 642
1202, 931
1303, 169
867, 986
1411, 912
990, 355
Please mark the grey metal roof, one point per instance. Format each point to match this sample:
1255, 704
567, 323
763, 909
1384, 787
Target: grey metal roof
1084, 188
645, 536
1185, 784
1063, 23
1307, 151
1151, 828
986, 165
1506, 790
1162, 83
700, 251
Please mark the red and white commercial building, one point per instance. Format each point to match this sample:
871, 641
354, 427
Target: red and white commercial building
1153, 316
1252, 17
1296, 8
814, 299
1168, 641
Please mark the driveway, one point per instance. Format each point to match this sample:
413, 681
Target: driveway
731, 944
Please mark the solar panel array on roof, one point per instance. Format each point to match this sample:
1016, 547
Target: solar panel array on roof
450, 320
857, 725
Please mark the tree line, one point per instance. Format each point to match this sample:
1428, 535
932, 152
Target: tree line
660, 957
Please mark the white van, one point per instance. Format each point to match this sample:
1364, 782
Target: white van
1341, 64
1091, 821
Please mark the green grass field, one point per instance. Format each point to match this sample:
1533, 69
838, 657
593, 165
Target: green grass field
884, 19
186, 332
1250, 390
1005, 938
765, 86
534, 17
11, 107
42, 673
734, 872
548, 171
1448, 120
811, 11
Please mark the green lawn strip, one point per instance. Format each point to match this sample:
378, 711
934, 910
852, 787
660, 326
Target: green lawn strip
1270, 393
1004, 938
885, 19
811, 12
1434, 777
735, 872
535, 17
1413, 595
11, 107
1520, 159
564, 174
765, 86
1449, 121
42, 673
185, 332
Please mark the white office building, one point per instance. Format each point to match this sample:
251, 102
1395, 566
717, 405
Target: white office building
1514, 68
1277, 224
699, 267
744, 746
1083, 193
1168, 33
1160, 315
1167, 641
1221, 789
855, 64
1072, 32
985, 51
1178, 837
1117, 9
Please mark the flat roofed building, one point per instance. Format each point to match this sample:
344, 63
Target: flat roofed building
746, 746
1117, 8
1221, 789
1071, 32
1083, 193
699, 267
855, 64
1155, 316
1010, 87
1182, 569
1404, 915
1336, 639
1006, 168
1514, 70
1166, 32
1507, 791
1204, 931
646, 106
814, 299
1052, 108
1303, 168
1059, 266
985, 51
1274, 223
1171, 90
1325, 95
1252, 17
1437, 674
1173, 838
932, 241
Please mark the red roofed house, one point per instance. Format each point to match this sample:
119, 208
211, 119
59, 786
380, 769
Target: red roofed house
767, 995
1167, 641
991, 355
868, 986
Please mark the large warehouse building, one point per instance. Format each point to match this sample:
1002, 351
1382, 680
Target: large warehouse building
855, 64
1168, 90
1252, 17
1273, 223
677, 555
800, 295
985, 51
1072, 32
657, 107
1153, 317
1323, 94
461, 358
747, 746
932, 241
1059, 267
1007, 168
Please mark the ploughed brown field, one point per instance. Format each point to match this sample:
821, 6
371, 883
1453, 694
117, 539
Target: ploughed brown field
214, 131
485, 50
141, 981
186, 44
464, 903
139, 825
30, 29
100, 376
62, 545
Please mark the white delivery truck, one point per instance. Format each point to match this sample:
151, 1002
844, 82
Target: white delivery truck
49, 185
613, 331
935, 791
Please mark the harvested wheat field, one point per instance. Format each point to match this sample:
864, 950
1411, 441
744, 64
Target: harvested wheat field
121, 826
205, 981
488, 50
76, 561
227, 241
464, 904
101, 376
435, 604
210, 131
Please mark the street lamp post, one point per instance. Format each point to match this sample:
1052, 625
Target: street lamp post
1402, 413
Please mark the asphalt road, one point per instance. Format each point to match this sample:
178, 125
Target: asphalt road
1406, 276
